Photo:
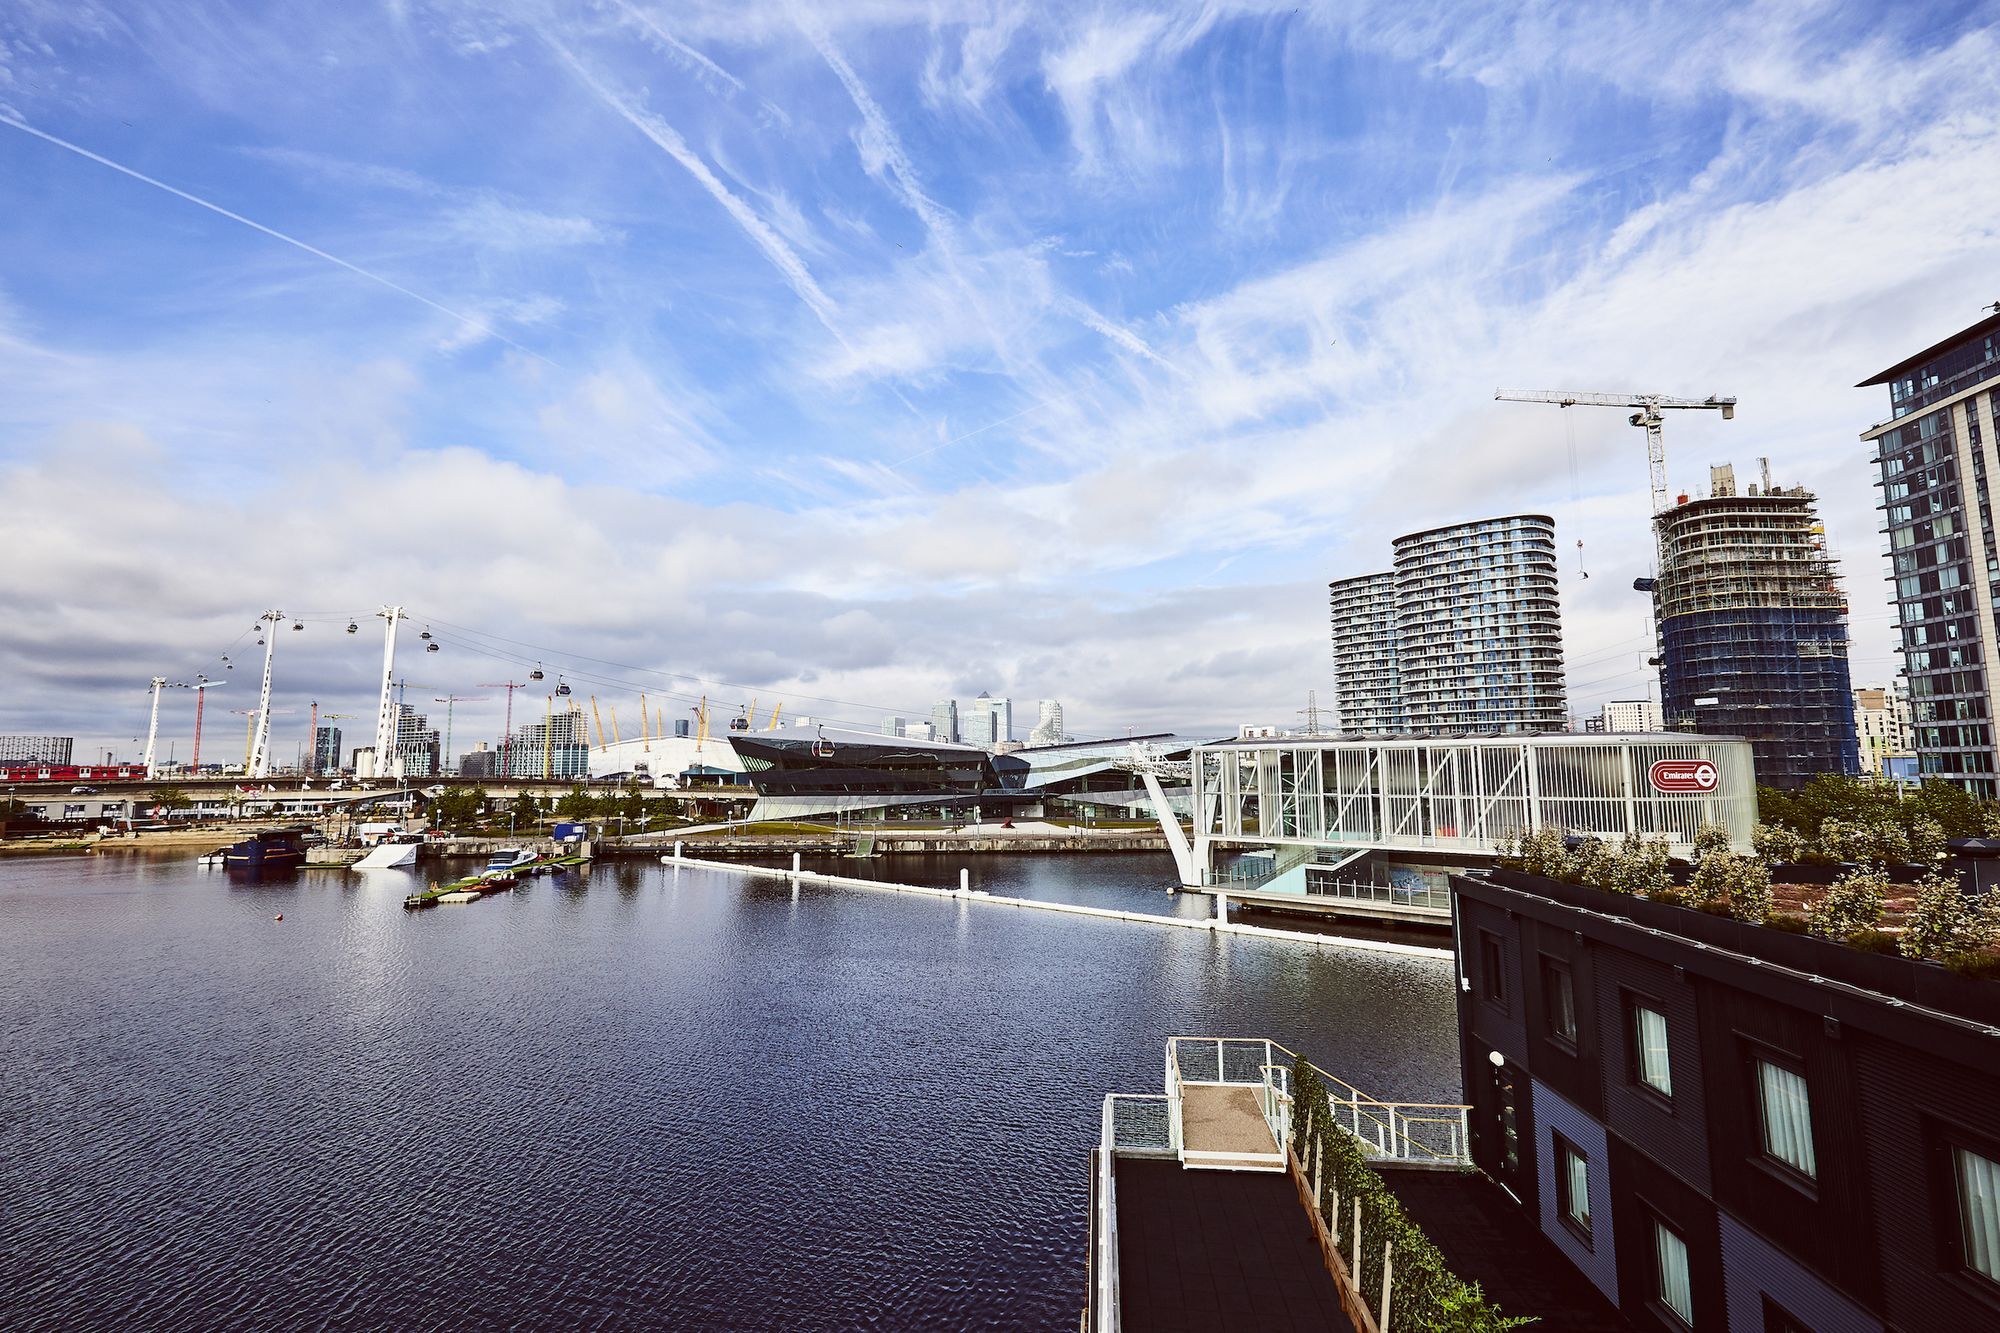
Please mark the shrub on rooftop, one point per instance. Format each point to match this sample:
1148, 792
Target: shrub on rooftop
1943, 921
1851, 903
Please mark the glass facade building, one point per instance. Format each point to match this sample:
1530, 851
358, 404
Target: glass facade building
1753, 630
1478, 628
1368, 696
1936, 461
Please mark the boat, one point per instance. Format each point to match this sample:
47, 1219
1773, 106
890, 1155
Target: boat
267, 852
506, 867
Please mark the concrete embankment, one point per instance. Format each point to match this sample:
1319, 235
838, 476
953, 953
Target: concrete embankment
971, 895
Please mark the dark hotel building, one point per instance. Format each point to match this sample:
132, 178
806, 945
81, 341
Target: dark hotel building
1724, 1126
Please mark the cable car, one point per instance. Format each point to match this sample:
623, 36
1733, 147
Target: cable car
536, 674
298, 625
562, 689
430, 647
822, 747
425, 635
353, 628
741, 722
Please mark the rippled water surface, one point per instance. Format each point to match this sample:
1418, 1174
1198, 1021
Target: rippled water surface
627, 1096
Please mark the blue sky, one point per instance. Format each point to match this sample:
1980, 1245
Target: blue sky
889, 350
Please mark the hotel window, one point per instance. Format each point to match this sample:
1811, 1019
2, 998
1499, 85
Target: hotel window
1492, 970
1978, 1211
1649, 1050
1785, 1110
1672, 1287
1559, 1002
1573, 1187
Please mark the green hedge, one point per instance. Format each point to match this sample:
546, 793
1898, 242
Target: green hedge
1425, 1293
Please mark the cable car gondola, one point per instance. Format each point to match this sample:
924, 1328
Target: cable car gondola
536, 674
353, 628
741, 722
430, 647
298, 625
562, 688
822, 748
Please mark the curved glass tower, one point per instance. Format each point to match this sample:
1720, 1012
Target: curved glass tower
1478, 627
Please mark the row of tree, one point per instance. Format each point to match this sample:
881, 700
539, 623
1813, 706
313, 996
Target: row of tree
1939, 921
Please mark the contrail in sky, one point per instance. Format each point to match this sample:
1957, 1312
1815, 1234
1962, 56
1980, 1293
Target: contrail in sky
960, 439
292, 241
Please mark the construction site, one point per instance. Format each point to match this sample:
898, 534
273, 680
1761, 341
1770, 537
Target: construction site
1753, 627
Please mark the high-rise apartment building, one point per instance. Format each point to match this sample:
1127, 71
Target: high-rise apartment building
417, 753
556, 747
1367, 688
53, 750
1753, 629
326, 750
892, 726
1630, 715
944, 720
1937, 464
1473, 615
1048, 728
1882, 724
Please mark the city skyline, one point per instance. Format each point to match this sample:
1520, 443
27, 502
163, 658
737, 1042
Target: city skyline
768, 245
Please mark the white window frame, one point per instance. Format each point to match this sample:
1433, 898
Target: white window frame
1977, 1181
1659, 1076
1673, 1290
1784, 1117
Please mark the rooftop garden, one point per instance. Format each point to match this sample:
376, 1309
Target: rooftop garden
1842, 859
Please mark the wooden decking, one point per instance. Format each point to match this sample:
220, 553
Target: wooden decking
1224, 1250
1223, 1126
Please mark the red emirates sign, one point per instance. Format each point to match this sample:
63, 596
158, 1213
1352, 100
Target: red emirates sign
1685, 777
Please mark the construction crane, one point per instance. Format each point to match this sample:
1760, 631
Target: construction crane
507, 727
201, 687
1649, 406
451, 701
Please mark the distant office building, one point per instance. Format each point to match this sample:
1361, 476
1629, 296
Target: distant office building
556, 747
944, 720
1630, 715
1937, 461
1474, 633
979, 724
481, 761
683, 727
1367, 687
1753, 629
1003, 718
892, 726
326, 750
1048, 729
52, 750
1882, 724
417, 751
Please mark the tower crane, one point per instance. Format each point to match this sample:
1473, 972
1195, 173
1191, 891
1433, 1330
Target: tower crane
451, 701
1648, 405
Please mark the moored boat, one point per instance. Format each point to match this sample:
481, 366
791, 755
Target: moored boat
267, 852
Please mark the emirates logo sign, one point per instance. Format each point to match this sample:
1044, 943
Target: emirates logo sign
1685, 777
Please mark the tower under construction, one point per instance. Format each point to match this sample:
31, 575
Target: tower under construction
1753, 628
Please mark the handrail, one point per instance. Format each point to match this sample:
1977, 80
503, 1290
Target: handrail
1104, 1261
1385, 1129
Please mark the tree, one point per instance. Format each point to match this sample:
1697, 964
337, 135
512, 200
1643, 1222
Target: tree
1852, 902
1944, 920
458, 807
527, 810
1957, 811
1778, 844
1727, 881
172, 799
576, 803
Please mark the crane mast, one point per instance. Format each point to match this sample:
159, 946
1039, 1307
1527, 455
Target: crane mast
1647, 416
